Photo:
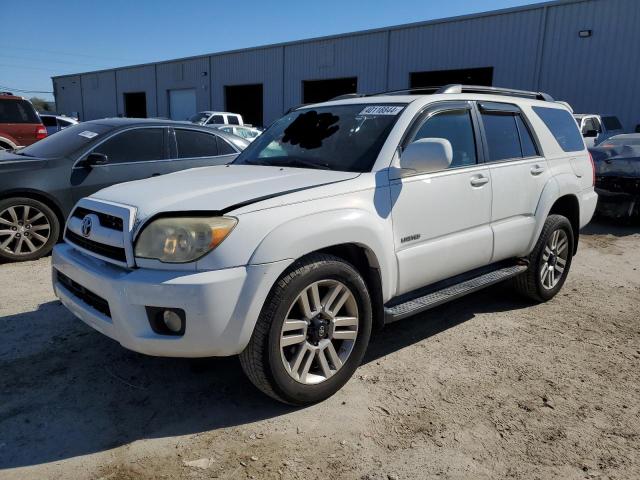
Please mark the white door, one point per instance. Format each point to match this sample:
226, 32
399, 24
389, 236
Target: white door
182, 103
518, 174
441, 220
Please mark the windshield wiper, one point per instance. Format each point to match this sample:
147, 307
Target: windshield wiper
298, 162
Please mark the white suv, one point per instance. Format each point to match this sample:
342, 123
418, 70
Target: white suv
339, 218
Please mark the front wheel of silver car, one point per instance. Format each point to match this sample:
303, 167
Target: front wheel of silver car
312, 332
28, 229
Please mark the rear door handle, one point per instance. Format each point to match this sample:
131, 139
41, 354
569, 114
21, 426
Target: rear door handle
479, 181
537, 170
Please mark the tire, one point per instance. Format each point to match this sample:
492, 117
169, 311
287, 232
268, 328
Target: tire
39, 231
272, 368
533, 283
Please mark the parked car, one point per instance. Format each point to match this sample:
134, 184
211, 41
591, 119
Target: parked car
617, 164
340, 217
218, 118
19, 122
248, 133
39, 184
55, 123
597, 128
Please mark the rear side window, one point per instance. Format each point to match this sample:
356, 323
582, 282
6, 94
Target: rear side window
455, 126
501, 132
526, 140
233, 120
192, 144
562, 126
216, 119
17, 111
224, 148
612, 123
139, 145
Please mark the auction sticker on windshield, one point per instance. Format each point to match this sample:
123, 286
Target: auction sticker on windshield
381, 110
88, 134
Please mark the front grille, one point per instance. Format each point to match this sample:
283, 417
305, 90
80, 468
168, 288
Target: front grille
87, 296
115, 253
107, 221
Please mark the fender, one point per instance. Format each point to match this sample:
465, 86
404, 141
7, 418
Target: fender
307, 234
557, 186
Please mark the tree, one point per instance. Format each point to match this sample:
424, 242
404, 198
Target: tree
40, 103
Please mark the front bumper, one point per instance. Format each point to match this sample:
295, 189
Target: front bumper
221, 306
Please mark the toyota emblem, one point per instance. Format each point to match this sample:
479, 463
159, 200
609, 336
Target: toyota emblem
86, 226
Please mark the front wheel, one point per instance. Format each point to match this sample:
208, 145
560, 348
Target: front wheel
312, 333
28, 229
549, 261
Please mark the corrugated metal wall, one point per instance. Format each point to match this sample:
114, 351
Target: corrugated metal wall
250, 67
192, 73
99, 95
68, 94
137, 79
361, 56
529, 48
506, 42
601, 73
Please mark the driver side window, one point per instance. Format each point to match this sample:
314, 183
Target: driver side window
457, 127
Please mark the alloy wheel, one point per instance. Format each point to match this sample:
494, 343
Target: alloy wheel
319, 331
24, 229
554, 259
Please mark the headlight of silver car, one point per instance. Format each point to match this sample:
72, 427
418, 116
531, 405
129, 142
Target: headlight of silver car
182, 239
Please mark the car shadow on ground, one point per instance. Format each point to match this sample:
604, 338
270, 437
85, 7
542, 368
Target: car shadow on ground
609, 226
70, 391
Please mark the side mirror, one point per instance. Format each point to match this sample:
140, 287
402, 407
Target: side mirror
95, 158
426, 155
590, 133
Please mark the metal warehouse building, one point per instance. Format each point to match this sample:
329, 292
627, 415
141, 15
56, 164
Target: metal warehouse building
586, 52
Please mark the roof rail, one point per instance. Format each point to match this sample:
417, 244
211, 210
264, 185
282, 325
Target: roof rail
458, 88
347, 95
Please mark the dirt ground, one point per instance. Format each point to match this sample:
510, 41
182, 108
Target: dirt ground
486, 387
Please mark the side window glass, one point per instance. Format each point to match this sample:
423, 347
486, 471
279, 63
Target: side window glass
138, 145
224, 148
562, 126
526, 140
192, 144
502, 137
48, 121
457, 127
216, 119
233, 120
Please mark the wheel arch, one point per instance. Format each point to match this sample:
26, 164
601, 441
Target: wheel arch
569, 207
7, 142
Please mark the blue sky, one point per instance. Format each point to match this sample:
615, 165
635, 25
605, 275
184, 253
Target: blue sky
39, 39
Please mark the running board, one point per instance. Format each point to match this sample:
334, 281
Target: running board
451, 292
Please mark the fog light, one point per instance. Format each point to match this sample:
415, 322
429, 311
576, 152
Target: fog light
172, 321
167, 321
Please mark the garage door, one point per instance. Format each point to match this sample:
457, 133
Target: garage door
182, 103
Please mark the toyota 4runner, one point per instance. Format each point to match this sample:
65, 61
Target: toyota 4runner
341, 217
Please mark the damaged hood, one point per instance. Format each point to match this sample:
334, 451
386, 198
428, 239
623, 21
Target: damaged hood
220, 188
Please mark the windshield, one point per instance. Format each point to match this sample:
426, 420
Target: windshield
345, 138
199, 117
66, 141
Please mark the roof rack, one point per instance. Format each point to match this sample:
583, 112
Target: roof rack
348, 95
458, 88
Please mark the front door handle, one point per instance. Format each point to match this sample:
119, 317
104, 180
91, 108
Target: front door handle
536, 170
479, 181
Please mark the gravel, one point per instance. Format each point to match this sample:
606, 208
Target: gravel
486, 387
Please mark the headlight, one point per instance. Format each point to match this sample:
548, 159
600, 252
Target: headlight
182, 239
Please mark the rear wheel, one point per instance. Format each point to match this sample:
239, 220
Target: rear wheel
549, 262
28, 229
312, 332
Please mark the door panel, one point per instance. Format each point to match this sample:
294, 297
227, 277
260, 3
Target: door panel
441, 226
441, 220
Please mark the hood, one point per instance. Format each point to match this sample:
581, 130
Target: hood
10, 161
219, 188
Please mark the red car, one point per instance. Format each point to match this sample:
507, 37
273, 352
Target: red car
20, 124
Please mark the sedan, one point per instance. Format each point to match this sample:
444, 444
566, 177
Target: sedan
40, 184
